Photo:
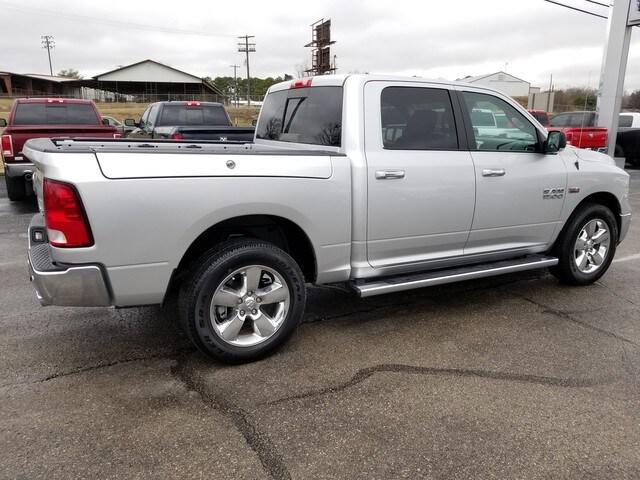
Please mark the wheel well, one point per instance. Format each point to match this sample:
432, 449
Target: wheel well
607, 199
276, 230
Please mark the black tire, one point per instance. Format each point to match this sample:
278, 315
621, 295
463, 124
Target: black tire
567, 270
209, 273
16, 188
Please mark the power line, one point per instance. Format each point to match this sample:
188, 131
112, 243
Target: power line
246, 47
109, 22
48, 42
576, 9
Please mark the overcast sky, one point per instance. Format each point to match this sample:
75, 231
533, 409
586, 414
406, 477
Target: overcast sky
429, 38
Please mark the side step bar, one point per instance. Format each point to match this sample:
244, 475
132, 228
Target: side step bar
439, 277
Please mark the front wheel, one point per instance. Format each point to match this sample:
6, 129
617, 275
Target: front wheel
243, 299
586, 246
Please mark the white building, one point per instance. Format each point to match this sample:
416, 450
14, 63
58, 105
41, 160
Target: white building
503, 82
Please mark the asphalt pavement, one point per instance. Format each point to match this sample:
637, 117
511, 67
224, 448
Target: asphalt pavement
509, 377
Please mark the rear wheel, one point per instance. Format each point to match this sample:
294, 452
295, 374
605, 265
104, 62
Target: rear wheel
16, 188
243, 299
586, 246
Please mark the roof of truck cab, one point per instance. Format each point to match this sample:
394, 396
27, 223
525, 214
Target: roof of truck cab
339, 80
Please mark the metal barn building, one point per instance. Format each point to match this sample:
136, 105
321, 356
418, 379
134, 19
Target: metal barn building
503, 82
149, 80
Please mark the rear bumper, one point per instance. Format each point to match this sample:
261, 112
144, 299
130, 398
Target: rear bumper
18, 169
65, 285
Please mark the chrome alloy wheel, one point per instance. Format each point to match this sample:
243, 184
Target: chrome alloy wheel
592, 246
249, 305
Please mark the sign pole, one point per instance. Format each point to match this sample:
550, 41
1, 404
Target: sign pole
623, 14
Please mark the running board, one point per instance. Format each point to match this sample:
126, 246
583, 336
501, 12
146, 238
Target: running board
439, 277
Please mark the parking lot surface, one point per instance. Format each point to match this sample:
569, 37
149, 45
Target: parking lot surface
510, 377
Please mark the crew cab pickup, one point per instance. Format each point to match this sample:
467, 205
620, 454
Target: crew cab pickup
44, 117
378, 183
189, 120
581, 130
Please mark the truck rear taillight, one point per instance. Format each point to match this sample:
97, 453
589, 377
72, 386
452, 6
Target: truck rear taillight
301, 82
67, 224
7, 146
177, 136
117, 135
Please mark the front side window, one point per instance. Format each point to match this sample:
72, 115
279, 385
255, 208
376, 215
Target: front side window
497, 125
303, 115
417, 118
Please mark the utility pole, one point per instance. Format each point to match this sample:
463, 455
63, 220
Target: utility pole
48, 43
235, 84
247, 47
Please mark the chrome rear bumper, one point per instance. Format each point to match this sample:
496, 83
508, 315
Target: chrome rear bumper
65, 285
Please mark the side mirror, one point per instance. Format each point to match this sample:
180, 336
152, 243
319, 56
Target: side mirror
130, 122
3, 123
105, 121
555, 142
254, 122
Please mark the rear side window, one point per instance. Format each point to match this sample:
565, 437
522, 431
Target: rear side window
303, 115
625, 121
417, 118
181, 114
55, 114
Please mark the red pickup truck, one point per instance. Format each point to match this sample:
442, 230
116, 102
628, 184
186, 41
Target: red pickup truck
44, 117
581, 130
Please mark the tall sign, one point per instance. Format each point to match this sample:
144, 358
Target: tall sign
321, 43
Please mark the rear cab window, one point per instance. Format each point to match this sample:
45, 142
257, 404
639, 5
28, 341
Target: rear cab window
194, 115
55, 114
625, 121
311, 115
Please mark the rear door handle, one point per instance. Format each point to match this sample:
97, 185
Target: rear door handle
389, 174
493, 172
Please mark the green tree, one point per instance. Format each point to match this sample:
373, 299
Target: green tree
70, 73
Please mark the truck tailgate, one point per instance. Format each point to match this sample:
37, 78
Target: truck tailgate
587, 137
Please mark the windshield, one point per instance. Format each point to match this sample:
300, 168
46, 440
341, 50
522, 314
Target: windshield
55, 114
182, 114
305, 115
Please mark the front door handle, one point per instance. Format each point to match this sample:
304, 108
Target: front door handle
493, 172
389, 174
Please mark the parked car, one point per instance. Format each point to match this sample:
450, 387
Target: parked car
373, 182
628, 138
44, 117
541, 116
124, 130
581, 130
188, 120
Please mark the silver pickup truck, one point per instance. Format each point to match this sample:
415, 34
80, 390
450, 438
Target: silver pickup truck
380, 183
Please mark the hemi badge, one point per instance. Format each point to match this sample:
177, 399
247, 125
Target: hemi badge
574, 189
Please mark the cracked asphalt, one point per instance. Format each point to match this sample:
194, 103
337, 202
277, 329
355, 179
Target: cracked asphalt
509, 377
